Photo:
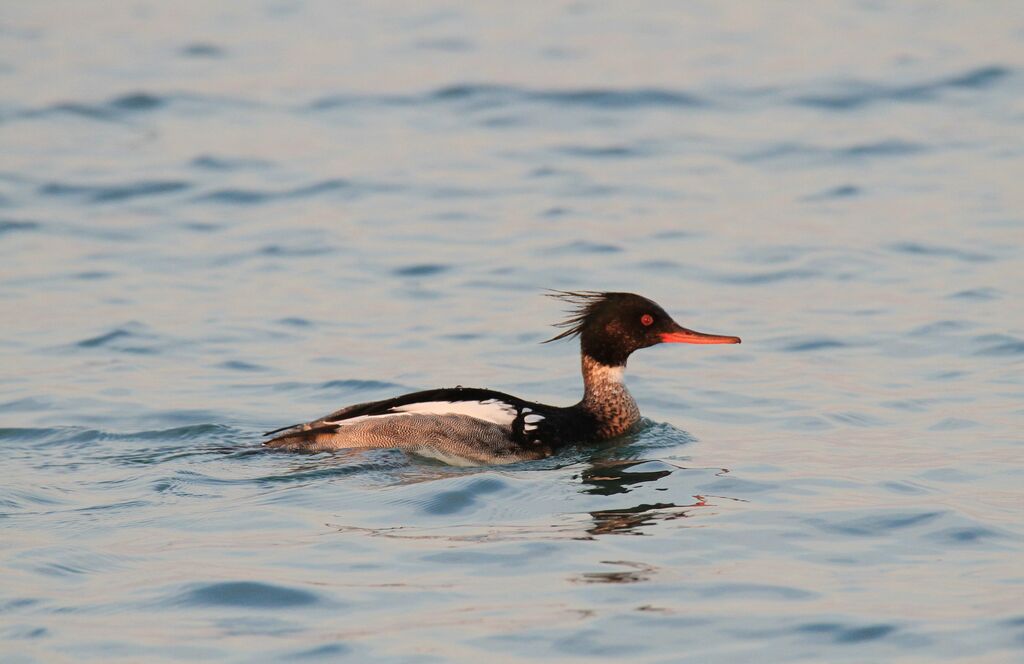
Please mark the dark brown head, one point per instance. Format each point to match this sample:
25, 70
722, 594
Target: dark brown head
613, 325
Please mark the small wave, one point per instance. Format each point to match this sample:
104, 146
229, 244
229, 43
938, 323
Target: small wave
112, 110
856, 419
246, 594
839, 633
547, 172
523, 558
214, 163
886, 148
136, 101
464, 498
584, 247
621, 99
809, 345
187, 432
297, 251
659, 266
953, 424
964, 535
484, 96
295, 321
753, 590
603, 151
919, 249
239, 365
421, 270
75, 562
75, 435
805, 423
129, 338
15, 226
876, 525
850, 95
811, 153
201, 50
775, 254
768, 277
905, 487
256, 196
347, 386
977, 294
39, 436
357, 384
909, 405
104, 339
123, 108
114, 192
26, 404
999, 345
328, 652
446, 44
736, 487
92, 275
941, 327
842, 191
861, 94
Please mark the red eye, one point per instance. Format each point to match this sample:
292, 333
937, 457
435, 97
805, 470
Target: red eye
646, 320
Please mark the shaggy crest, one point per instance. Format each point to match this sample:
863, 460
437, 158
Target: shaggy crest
584, 303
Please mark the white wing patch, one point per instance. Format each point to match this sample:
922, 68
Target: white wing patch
362, 418
491, 410
530, 421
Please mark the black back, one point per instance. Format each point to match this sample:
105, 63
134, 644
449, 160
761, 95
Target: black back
559, 426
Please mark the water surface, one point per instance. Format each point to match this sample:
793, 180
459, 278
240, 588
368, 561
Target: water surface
217, 220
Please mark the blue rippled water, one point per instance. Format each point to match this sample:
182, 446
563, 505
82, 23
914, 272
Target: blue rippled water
216, 219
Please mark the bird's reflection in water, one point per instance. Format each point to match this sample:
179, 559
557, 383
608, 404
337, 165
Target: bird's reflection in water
608, 478
635, 573
630, 520
611, 471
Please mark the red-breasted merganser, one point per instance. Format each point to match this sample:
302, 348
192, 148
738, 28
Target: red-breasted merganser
463, 425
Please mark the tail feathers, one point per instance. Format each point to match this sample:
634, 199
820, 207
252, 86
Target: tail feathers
333, 417
290, 426
300, 437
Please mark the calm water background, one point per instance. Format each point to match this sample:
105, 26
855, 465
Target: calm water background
216, 220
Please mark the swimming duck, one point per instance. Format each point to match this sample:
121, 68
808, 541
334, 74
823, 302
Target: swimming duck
464, 425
